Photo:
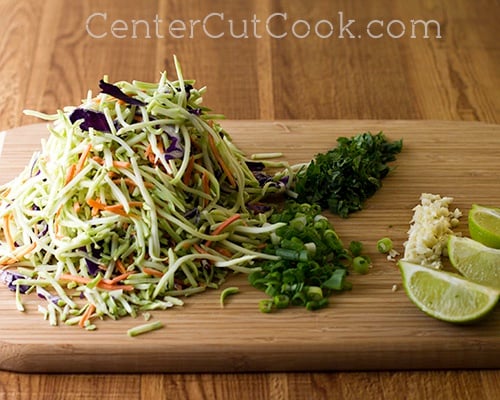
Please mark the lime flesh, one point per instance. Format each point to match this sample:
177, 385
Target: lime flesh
484, 225
447, 296
475, 261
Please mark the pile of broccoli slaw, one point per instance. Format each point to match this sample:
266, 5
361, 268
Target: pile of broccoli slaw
137, 197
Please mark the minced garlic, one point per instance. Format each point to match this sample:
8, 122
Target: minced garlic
430, 226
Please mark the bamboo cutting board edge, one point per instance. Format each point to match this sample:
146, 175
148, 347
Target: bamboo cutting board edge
370, 328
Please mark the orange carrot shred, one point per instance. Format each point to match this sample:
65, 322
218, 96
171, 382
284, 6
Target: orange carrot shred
152, 272
25, 250
103, 284
96, 204
120, 267
83, 158
118, 278
189, 171
121, 164
225, 252
223, 226
70, 174
199, 249
98, 160
160, 146
8, 235
86, 315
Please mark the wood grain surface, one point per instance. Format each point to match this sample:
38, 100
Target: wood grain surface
48, 60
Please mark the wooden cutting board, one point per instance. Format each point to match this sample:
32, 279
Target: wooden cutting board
371, 327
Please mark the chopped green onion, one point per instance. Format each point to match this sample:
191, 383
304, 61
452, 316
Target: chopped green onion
314, 293
337, 280
355, 248
266, 306
281, 301
384, 245
361, 264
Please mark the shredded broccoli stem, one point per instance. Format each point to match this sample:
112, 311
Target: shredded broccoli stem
138, 205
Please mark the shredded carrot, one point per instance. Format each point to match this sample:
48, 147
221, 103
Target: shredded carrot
118, 278
74, 278
8, 235
120, 267
25, 250
152, 272
56, 222
118, 208
94, 203
74, 169
221, 162
76, 206
149, 154
199, 249
83, 158
96, 206
121, 164
5, 260
189, 171
70, 174
116, 164
223, 226
103, 284
107, 286
86, 315
160, 146
98, 160
225, 252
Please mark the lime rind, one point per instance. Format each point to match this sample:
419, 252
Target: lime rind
447, 296
484, 225
475, 261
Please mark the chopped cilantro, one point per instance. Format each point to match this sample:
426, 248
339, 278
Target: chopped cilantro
344, 177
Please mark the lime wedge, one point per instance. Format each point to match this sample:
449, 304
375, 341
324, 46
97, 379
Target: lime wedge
447, 296
484, 225
475, 261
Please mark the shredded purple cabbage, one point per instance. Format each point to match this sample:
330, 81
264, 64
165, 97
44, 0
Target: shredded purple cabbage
9, 278
194, 111
116, 92
175, 149
255, 165
91, 119
44, 294
264, 178
259, 208
193, 214
92, 266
